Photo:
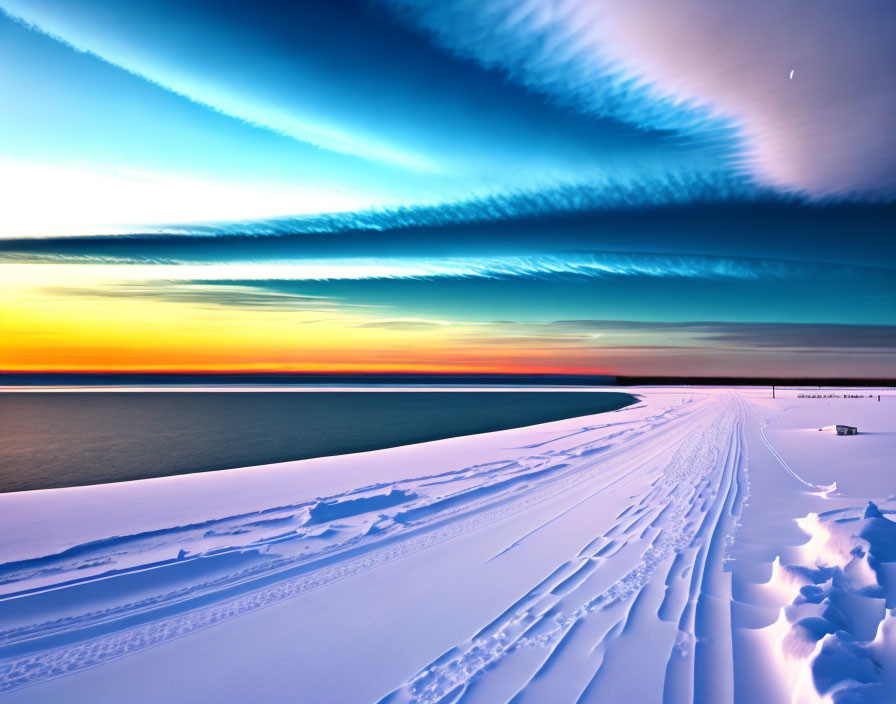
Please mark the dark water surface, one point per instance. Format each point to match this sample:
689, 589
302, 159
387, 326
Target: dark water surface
60, 439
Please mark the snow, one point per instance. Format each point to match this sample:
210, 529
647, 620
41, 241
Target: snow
703, 545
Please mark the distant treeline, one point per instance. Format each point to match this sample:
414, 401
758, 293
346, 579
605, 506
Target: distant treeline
750, 381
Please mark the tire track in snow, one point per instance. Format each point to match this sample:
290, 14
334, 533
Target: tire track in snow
545, 618
122, 637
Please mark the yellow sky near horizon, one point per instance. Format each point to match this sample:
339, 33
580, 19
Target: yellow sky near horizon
60, 318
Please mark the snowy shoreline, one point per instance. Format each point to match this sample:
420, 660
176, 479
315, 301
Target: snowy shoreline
695, 546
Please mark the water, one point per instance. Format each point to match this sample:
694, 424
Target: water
52, 440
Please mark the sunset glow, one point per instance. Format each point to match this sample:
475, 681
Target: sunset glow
418, 187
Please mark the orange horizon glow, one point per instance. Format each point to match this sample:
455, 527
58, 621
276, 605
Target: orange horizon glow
410, 368
318, 369
62, 320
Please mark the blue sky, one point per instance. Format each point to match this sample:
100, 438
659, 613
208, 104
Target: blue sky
490, 170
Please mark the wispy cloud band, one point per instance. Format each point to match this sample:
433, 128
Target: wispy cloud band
714, 69
592, 265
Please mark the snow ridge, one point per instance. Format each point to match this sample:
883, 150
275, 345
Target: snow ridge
642, 555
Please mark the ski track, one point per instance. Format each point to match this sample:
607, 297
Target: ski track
662, 522
660, 570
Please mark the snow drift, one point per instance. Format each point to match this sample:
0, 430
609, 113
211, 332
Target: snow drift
693, 547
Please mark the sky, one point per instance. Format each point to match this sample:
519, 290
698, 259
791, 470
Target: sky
582, 186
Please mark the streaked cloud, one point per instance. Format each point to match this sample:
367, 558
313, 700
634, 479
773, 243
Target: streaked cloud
713, 218
707, 66
217, 294
364, 111
624, 186
575, 264
672, 188
404, 324
806, 337
251, 109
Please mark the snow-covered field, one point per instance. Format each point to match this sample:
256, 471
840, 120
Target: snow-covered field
702, 545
